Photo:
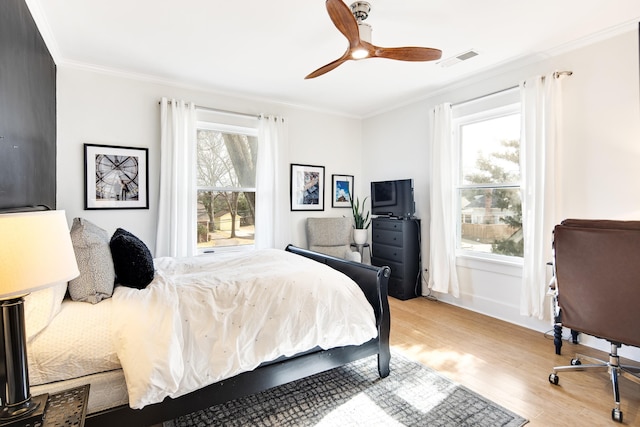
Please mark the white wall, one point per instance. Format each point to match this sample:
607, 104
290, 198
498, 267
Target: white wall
598, 164
599, 159
101, 108
394, 148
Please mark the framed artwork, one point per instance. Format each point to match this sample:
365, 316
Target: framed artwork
341, 190
307, 188
116, 177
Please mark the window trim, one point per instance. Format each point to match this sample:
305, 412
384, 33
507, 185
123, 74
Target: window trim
480, 114
226, 128
221, 189
494, 263
222, 127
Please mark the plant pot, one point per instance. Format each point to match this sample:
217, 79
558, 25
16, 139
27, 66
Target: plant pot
360, 236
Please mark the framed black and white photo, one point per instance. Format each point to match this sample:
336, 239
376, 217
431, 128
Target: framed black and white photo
116, 177
341, 190
307, 188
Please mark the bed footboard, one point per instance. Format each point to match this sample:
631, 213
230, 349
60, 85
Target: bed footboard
372, 280
374, 283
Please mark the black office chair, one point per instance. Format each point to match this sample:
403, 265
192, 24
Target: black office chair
597, 273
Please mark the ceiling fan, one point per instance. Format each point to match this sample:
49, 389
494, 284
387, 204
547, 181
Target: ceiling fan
351, 24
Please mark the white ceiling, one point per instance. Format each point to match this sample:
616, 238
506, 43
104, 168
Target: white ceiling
264, 48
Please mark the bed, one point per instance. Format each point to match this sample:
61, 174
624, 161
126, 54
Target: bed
145, 385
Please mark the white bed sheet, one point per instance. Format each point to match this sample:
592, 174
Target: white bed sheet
208, 318
76, 343
107, 389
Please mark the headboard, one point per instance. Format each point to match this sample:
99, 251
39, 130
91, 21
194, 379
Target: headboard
27, 111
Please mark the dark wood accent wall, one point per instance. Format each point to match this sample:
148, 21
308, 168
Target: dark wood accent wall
27, 111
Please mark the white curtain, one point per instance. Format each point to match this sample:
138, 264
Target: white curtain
177, 210
443, 276
541, 108
272, 214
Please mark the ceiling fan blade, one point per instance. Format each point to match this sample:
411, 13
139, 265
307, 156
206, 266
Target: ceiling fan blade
326, 68
344, 20
408, 53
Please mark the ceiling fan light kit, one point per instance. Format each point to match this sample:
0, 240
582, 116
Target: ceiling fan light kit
359, 54
350, 22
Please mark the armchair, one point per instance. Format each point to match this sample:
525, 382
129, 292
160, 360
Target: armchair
332, 236
597, 272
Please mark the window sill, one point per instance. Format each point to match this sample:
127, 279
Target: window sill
508, 266
225, 249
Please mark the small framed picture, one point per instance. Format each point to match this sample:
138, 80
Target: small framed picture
341, 190
307, 187
116, 177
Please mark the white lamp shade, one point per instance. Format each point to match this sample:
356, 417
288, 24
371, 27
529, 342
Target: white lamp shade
35, 252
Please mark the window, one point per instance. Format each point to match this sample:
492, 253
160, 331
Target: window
226, 185
488, 181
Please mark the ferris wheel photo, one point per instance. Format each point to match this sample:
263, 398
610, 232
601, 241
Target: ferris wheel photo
115, 177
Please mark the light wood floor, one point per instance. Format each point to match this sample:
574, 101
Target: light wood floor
509, 365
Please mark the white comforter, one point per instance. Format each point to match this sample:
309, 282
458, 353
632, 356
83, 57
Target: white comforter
208, 318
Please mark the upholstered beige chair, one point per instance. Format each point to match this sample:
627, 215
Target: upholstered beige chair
332, 236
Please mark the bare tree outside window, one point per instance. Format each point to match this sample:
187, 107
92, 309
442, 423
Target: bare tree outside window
226, 177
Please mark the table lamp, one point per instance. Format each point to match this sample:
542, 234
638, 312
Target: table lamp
35, 253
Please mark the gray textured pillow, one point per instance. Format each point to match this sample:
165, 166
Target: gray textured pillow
97, 275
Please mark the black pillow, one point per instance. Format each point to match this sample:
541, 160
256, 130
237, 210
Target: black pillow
132, 260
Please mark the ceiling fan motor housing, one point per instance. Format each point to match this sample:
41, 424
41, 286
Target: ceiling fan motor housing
365, 31
360, 10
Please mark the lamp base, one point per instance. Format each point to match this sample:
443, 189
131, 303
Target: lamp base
28, 412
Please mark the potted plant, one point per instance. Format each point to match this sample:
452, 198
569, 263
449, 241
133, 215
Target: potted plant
361, 221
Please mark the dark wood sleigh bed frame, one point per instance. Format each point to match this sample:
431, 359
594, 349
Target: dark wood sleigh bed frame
372, 280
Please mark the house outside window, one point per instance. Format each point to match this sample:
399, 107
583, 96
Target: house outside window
226, 186
488, 185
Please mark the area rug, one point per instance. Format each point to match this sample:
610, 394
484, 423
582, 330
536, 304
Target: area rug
354, 395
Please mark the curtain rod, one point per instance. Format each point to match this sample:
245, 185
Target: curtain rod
556, 75
457, 104
233, 113
217, 110
559, 74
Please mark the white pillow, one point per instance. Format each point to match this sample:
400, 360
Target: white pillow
41, 307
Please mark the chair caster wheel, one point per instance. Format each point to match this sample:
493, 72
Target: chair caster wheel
616, 415
553, 379
575, 362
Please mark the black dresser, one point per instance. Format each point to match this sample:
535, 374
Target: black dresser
396, 243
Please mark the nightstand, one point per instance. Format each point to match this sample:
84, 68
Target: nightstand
66, 408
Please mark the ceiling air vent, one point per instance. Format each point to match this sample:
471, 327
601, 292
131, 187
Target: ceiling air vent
458, 58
